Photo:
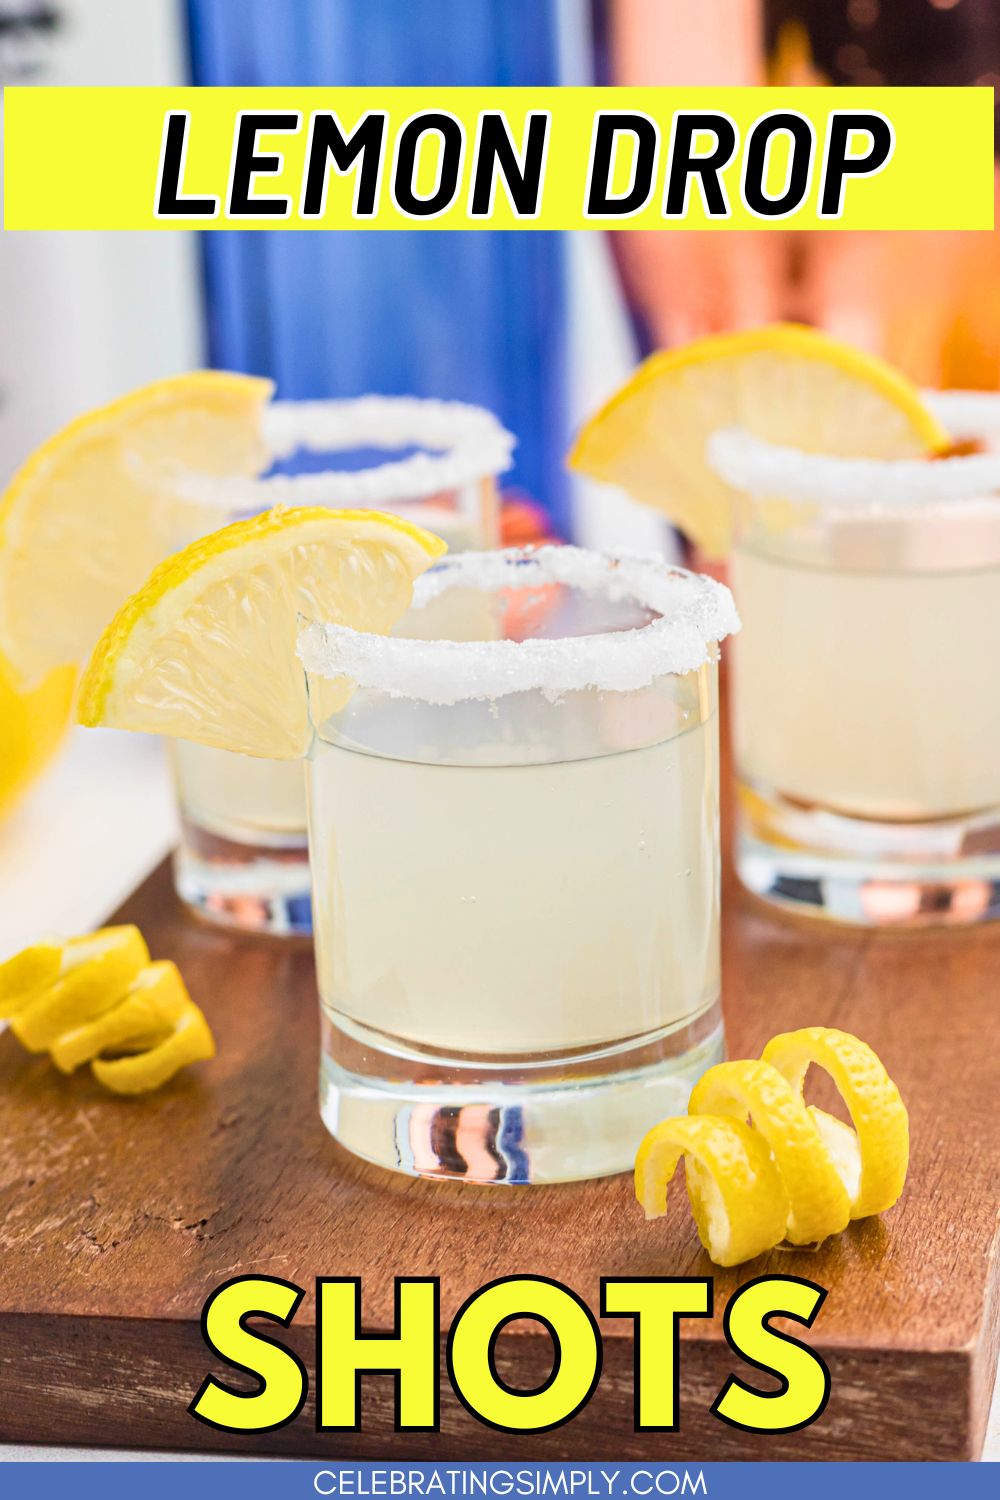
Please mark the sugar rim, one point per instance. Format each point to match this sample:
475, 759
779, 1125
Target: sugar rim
693, 612
966, 414
771, 470
468, 442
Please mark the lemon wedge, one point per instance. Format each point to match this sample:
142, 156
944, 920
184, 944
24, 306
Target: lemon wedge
87, 517
206, 650
784, 383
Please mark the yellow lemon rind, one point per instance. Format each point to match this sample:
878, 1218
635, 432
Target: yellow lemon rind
796, 339
25, 974
872, 1099
145, 1015
190, 1041
234, 544
736, 1195
85, 989
818, 1202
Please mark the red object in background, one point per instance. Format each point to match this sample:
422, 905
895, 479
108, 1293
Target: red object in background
523, 523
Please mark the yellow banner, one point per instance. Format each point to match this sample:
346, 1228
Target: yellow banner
560, 158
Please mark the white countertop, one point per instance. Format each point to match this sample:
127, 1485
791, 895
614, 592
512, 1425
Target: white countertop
99, 820
97, 823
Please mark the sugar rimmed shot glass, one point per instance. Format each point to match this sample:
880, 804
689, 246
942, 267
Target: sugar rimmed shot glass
515, 852
866, 692
242, 859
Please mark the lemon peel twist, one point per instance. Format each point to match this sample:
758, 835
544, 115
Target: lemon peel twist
737, 1199
793, 1172
818, 1204
881, 1124
25, 973
99, 1000
93, 975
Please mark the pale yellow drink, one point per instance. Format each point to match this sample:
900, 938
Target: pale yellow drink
239, 797
515, 854
866, 693
518, 909
870, 690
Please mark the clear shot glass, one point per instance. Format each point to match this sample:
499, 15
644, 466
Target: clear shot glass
242, 859
866, 693
515, 853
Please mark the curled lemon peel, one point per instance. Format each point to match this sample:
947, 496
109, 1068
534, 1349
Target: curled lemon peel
95, 972
817, 1198
143, 1017
762, 1166
99, 1000
189, 1041
736, 1197
26, 973
878, 1114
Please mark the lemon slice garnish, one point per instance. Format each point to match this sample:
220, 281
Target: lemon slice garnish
738, 1202
874, 1169
818, 1201
87, 517
784, 383
206, 650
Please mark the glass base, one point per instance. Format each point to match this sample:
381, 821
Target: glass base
253, 887
508, 1121
867, 873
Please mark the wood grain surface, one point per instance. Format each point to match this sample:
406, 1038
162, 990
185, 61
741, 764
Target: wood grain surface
118, 1217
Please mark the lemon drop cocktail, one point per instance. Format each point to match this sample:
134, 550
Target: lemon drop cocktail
514, 836
864, 555
515, 860
867, 705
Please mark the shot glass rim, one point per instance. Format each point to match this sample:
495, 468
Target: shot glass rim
460, 444
693, 613
856, 486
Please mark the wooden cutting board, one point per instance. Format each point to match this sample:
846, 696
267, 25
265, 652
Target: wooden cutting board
118, 1218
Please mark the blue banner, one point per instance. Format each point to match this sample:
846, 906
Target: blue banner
524, 1481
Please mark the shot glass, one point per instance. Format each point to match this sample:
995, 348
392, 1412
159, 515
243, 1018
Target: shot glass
867, 698
515, 854
242, 859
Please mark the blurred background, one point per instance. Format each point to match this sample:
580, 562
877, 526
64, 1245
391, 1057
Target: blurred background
538, 327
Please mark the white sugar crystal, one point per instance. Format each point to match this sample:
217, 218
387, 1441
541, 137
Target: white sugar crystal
693, 612
461, 444
770, 471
